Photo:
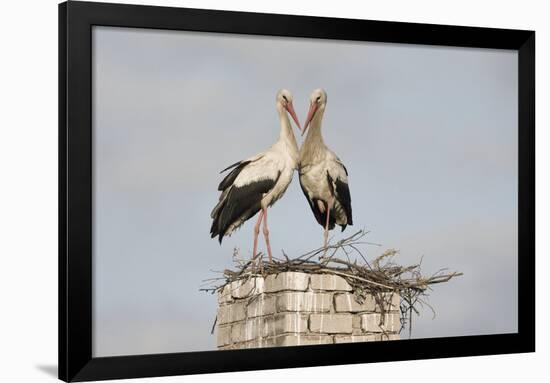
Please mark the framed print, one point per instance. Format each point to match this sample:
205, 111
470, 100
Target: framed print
244, 191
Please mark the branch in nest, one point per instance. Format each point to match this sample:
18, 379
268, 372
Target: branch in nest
374, 278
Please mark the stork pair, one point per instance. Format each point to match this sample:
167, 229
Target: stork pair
255, 184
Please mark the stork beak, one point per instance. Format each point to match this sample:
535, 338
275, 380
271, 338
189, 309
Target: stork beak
312, 109
290, 110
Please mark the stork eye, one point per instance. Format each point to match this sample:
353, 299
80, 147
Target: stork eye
284, 97
318, 98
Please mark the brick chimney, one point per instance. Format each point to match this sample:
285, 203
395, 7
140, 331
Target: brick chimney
292, 308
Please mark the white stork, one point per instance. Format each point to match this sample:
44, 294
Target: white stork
323, 177
258, 182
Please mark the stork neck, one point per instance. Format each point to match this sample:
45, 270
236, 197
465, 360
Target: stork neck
287, 135
314, 136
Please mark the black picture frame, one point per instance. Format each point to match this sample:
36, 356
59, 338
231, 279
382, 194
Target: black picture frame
75, 190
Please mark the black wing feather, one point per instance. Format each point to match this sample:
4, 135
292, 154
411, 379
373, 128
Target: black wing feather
230, 178
344, 198
232, 166
312, 204
320, 217
241, 203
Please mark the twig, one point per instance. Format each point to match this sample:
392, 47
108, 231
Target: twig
374, 278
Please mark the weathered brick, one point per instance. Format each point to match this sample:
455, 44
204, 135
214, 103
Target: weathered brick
237, 332
355, 338
286, 281
285, 322
229, 347
266, 342
224, 295
231, 312
252, 344
348, 303
331, 323
246, 288
260, 343
301, 340
388, 337
223, 335
329, 282
356, 322
371, 322
294, 308
260, 305
392, 302
304, 302
248, 330
255, 328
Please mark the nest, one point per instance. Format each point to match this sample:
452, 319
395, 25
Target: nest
346, 259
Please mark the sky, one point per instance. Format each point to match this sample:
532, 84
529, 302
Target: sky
428, 135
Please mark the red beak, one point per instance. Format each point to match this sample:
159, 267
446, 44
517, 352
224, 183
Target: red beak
311, 113
290, 110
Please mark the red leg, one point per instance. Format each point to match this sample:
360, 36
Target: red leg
257, 232
266, 235
325, 235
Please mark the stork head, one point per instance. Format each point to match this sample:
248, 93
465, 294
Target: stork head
284, 102
317, 104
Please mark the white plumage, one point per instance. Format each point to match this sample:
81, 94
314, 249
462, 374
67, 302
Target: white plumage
323, 176
258, 182
314, 178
